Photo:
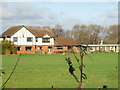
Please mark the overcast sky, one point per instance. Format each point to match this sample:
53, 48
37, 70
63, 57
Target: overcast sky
66, 14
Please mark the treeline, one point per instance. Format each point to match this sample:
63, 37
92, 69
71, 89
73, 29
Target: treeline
90, 34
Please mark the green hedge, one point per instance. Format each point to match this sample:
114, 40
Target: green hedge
8, 47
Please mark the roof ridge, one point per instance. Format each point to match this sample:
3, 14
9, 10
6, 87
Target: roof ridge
37, 31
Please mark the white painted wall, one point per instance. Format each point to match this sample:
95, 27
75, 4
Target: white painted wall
5, 39
1, 39
22, 35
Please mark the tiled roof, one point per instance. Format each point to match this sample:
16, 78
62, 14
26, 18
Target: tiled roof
12, 30
64, 41
37, 31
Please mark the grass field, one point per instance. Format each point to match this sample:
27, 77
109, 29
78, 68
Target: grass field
43, 71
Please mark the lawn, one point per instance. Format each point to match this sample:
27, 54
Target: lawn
43, 71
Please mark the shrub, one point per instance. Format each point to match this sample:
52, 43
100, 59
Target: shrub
8, 47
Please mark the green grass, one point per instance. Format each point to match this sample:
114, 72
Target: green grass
43, 71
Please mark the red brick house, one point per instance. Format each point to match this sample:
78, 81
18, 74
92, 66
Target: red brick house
37, 40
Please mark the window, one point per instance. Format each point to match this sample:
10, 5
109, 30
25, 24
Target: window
39, 48
15, 39
18, 48
49, 47
46, 40
59, 47
36, 39
69, 47
28, 48
91, 48
3, 38
29, 39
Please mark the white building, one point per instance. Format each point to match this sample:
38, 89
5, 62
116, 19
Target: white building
35, 39
41, 40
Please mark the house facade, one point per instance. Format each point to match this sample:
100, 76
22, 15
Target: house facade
29, 39
37, 40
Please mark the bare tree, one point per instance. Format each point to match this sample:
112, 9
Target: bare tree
95, 31
112, 34
58, 31
81, 34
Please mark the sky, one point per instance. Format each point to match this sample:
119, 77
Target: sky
51, 14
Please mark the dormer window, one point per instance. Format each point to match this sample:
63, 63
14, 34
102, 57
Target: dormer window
15, 39
46, 40
29, 39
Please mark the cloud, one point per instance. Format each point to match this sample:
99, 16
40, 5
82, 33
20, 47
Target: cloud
113, 14
111, 17
108, 18
24, 11
28, 14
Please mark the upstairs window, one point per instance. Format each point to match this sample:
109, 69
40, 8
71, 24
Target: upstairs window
15, 39
29, 39
36, 39
46, 40
3, 38
8, 36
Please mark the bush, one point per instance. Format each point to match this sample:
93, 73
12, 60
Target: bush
8, 47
